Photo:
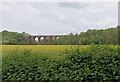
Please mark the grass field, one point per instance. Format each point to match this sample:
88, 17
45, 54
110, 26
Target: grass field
60, 62
51, 51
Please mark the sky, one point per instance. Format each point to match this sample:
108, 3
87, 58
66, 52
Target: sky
38, 18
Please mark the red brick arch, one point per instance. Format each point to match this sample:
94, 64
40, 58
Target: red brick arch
50, 37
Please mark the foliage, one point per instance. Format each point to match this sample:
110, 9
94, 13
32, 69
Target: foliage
15, 38
91, 64
107, 36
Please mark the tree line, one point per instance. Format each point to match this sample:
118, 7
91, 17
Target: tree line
90, 37
15, 38
93, 36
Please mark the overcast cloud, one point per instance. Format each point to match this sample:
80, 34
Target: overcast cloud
58, 17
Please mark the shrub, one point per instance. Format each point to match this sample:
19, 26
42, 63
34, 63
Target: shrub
94, 64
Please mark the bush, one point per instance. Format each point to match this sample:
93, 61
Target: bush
98, 63
94, 64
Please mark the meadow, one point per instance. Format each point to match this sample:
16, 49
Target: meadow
50, 51
96, 63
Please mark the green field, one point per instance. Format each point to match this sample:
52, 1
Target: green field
61, 62
50, 51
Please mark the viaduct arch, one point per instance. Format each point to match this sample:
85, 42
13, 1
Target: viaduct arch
45, 37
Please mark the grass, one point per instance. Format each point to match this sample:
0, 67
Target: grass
51, 51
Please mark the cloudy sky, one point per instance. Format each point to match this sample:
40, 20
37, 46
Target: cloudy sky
57, 17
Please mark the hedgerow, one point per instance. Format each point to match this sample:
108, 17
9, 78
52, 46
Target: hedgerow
94, 64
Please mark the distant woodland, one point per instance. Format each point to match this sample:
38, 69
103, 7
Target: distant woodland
90, 37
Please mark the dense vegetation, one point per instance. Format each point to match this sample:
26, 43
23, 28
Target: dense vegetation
83, 63
107, 36
15, 38
99, 63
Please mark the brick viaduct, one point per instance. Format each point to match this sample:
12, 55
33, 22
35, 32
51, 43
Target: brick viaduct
44, 37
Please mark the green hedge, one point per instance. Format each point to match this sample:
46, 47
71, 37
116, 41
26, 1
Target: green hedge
94, 64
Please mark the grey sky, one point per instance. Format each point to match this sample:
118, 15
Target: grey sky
58, 17
59, 0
